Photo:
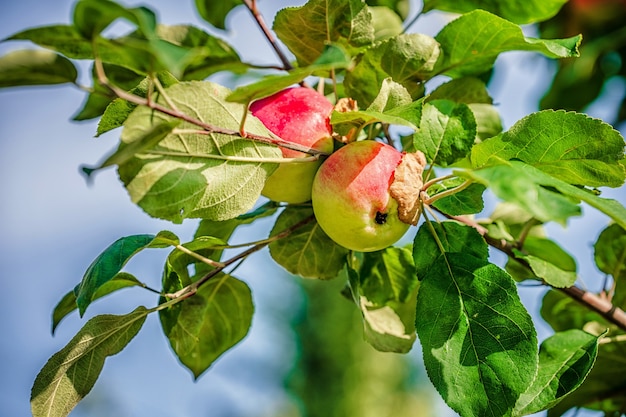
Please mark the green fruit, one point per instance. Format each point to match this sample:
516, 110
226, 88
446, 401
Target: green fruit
351, 198
298, 115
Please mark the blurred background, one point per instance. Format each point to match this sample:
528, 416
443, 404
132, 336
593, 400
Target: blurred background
304, 355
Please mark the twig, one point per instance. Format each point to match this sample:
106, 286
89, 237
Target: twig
191, 289
258, 17
590, 300
141, 101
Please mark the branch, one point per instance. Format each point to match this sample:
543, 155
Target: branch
141, 101
251, 5
191, 289
590, 300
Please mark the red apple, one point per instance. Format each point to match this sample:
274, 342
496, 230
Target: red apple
351, 196
299, 115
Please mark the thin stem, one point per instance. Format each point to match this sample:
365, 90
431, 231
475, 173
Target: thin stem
449, 192
436, 180
525, 231
192, 288
234, 158
252, 7
199, 257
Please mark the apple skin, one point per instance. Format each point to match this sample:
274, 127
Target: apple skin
299, 115
351, 199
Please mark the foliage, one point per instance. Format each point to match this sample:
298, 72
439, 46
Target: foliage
189, 150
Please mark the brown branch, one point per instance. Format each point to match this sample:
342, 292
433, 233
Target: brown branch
590, 300
258, 17
191, 289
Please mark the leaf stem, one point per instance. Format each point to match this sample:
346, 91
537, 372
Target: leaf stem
199, 257
234, 158
447, 193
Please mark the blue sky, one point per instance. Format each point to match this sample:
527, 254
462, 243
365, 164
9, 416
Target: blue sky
53, 224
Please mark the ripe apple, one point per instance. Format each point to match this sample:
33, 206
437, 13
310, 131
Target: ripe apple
351, 196
299, 115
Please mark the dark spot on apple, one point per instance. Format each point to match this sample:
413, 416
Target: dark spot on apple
381, 218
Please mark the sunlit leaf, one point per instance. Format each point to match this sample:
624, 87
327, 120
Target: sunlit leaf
35, 67
490, 36
519, 12
93, 16
71, 373
215, 12
465, 201
306, 251
474, 330
204, 326
307, 29
192, 173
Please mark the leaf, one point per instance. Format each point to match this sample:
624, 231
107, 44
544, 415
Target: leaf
400, 7
332, 58
307, 29
206, 54
520, 12
306, 251
68, 303
215, 12
385, 287
409, 59
446, 132
70, 373
548, 262
569, 146
453, 237
180, 261
91, 17
195, 174
490, 36
610, 251
564, 313
474, 330
462, 90
118, 110
109, 263
35, 67
565, 360
465, 201
514, 183
386, 22
204, 326
65, 39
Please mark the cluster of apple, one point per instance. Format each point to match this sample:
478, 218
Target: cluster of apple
350, 190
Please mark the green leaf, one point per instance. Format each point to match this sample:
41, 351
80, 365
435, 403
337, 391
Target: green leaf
451, 237
109, 263
68, 303
385, 286
118, 110
466, 201
215, 12
306, 30
180, 261
462, 90
520, 12
386, 23
400, 7
516, 183
446, 132
204, 326
192, 173
409, 59
610, 257
569, 146
565, 360
333, 57
490, 36
306, 251
474, 330
547, 261
564, 313
65, 39
91, 17
70, 373
35, 67
206, 54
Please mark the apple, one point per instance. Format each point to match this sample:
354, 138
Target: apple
352, 200
300, 115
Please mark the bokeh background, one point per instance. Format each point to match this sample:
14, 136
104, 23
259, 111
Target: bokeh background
304, 350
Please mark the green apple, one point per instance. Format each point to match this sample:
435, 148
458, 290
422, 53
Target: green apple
299, 115
351, 197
